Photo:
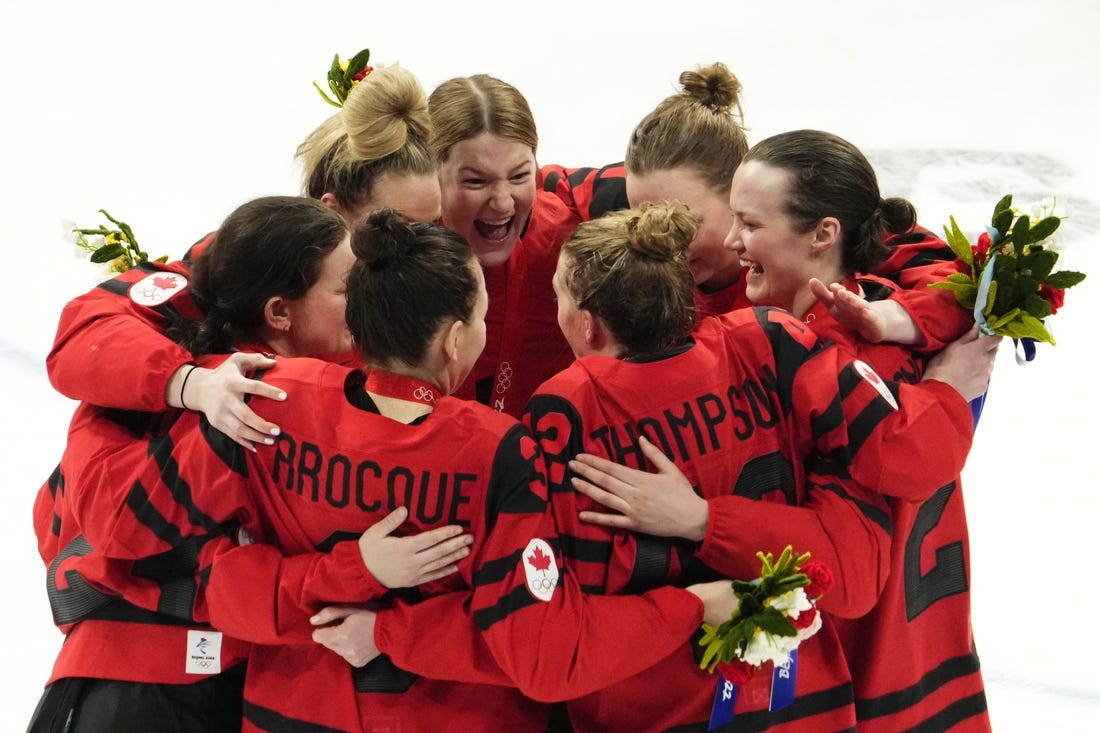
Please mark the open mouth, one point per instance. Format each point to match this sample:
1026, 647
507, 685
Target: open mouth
753, 267
493, 231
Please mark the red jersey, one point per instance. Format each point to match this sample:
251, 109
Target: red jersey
339, 466
524, 345
120, 622
121, 324
912, 658
767, 422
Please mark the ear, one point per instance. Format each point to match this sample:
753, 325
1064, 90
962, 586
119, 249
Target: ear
595, 336
452, 339
277, 314
826, 235
330, 201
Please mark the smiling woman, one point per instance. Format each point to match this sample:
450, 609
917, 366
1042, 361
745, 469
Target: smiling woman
486, 140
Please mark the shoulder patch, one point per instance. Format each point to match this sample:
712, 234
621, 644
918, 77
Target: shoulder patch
541, 569
868, 373
157, 288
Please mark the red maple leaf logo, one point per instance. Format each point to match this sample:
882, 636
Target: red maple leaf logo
539, 560
166, 283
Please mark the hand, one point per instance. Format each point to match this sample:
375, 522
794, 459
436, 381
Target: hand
718, 599
882, 320
663, 503
348, 631
219, 394
966, 363
404, 562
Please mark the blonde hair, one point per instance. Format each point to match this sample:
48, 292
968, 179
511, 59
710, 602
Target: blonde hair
700, 127
466, 106
383, 127
631, 269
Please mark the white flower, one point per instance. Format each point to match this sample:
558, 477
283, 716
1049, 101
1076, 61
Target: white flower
794, 600
1050, 206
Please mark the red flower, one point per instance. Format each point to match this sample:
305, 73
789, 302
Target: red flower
805, 618
981, 249
736, 671
363, 74
821, 579
1055, 296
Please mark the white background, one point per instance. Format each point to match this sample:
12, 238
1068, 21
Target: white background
170, 115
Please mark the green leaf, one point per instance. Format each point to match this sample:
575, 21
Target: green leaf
324, 96
1037, 305
1020, 231
1040, 262
355, 65
1005, 204
1002, 221
958, 242
1064, 279
776, 623
108, 252
1027, 327
1044, 229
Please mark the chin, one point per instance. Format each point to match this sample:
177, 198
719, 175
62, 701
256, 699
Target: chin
496, 254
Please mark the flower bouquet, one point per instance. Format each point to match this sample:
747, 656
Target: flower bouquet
118, 248
1007, 276
776, 613
343, 76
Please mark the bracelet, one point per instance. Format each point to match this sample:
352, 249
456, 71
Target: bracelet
183, 386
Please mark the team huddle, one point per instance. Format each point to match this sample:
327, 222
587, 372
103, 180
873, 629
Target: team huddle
456, 440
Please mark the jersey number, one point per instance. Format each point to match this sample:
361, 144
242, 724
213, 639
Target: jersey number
948, 576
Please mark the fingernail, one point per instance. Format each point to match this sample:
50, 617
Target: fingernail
274, 431
282, 396
269, 441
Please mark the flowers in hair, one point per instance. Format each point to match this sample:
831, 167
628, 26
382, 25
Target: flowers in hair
117, 248
343, 76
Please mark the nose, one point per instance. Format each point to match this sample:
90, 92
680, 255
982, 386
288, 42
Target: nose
500, 198
733, 238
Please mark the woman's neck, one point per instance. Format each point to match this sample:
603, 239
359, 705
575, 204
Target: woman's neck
402, 392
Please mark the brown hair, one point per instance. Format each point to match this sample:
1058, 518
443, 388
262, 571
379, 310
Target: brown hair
408, 279
383, 127
466, 106
700, 127
829, 176
630, 268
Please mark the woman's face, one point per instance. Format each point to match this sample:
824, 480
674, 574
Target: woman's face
777, 258
712, 265
414, 196
570, 319
488, 189
317, 320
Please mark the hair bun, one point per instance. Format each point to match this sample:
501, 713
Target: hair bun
661, 231
385, 237
714, 85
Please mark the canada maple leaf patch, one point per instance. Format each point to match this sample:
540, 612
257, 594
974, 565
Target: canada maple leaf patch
157, 288
540, 569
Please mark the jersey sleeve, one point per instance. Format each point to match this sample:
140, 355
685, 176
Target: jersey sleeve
589, 192
919, 258
548, 638
110, 348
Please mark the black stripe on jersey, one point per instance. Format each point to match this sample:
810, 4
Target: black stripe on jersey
56, 482
519, 597
78, 598
494, 571
872, 512
804, 706
270, 720
956, 712
584, 549
901, 700
509, 490
874, 290
231, 453
870, 416
789, 353
608, 193
765, 474
652, 562
160, 449
381, 675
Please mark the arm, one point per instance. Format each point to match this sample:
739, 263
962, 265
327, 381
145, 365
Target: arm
589, 192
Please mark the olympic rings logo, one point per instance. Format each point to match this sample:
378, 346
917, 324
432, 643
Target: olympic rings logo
423, 393
504, 378
543, 585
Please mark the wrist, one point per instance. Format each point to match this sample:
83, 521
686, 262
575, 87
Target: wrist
696, 527
177, 383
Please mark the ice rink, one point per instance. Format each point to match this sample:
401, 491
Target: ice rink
171, 115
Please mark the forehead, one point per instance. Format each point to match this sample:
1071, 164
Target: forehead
758, 186
681, 184
415, 196
487, 152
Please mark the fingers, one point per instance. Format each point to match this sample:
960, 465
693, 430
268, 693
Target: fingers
426, 540
599, 495
329, 614
821, 291
389, 523
656, 456
615, 521
443, 553
605, 474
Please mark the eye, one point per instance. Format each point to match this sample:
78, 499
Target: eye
521, 177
